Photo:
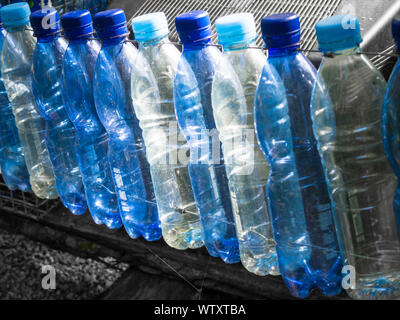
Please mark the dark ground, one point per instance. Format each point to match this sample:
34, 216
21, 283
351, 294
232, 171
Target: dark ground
21, 261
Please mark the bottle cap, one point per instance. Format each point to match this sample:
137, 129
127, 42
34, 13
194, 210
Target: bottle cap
15, 14
150, 26
338, 33
281, 30
396, 32
193, 26
236, 28
77, 24
45, 22
110, 24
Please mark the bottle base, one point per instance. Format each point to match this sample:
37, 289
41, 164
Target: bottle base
150, 233
183, 237
45, 194
75, 208
113, 223
385, 287
261, 265
228, 251
301, 281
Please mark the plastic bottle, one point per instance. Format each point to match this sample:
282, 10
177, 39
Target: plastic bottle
390, 120
12, 161
126, 150
307, 246
91, 139
16, 64
47, 88
192, 97
165, 143
234, 87
346, 108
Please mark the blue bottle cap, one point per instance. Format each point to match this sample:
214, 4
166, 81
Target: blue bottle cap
236, 28
281, 30
338, 33
77, 24
15, 14
396, 32
45, 22
111, 24
150, 26
193, 26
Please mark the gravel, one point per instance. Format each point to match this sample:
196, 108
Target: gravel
21, 261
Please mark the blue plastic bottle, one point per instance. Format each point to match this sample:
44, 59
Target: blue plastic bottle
192, 96
301, 209
390, 120
12, 161
91, 138
234, 87
346, 109
16, 65
126, 149
152, 94
47, 87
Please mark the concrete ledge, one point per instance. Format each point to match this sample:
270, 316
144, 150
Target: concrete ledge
193, 268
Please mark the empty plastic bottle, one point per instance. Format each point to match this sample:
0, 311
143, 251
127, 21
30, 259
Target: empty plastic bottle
346, 108
12, 161
47, 88
91, 139
301, 209
166, 147
192, 96
235, 83
391, 118
126, 150
16, 64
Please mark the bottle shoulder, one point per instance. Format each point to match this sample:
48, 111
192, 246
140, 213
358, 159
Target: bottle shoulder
349, 67
294, 70
87, 51
353, 77
163, 59
18, 49
206, 56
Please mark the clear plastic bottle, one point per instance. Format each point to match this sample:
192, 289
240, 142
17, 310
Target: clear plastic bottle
301, 210
91, 139
126, 149
16, 64
12, 161
192, 97
346, 108
234, 87
47, 88
390, 120
165, 143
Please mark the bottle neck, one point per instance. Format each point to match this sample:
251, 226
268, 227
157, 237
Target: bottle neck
47, 39
345, 52
16, 28
113, 41
80, 40
279, 52
197, 45
238, 46
153, 42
